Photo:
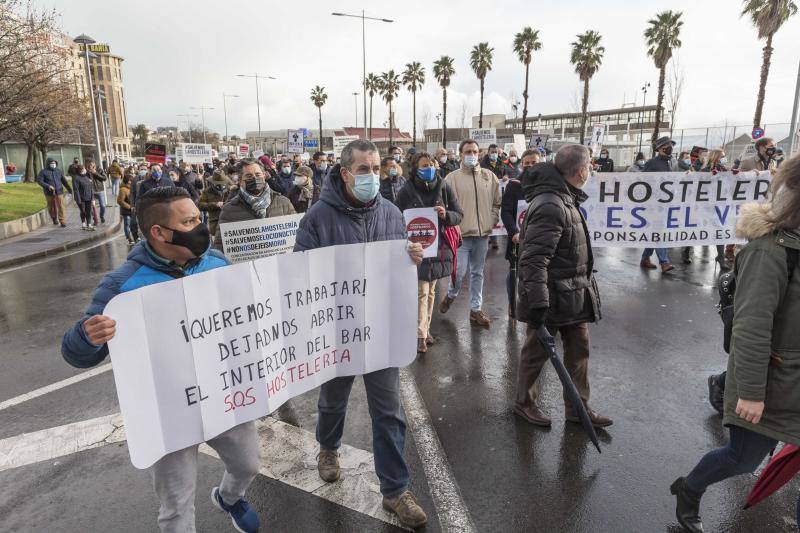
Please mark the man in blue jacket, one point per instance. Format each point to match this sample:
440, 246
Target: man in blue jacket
53, 183
351, 211
177, 244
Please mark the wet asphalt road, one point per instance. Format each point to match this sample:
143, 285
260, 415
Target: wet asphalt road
651, 354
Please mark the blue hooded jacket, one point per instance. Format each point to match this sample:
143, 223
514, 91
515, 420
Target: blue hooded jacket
142, 268
54, 178
333, 220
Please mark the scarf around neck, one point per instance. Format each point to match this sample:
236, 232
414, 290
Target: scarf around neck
257, 204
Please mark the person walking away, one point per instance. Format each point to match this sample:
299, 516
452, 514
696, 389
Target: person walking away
123, 201
556, 284
99, 181
604, 162
53, 184
661, 162
392, 178
115, 173
214, 196
763, 159
477, 191
84, 196
252, 200
508, 214
351, 211
425, 188
302, 192
762, 388
176, 245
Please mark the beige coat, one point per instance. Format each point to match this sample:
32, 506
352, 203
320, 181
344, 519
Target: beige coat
754, 162
477, 191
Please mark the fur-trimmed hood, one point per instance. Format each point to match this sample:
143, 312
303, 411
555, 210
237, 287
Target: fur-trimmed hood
754, 221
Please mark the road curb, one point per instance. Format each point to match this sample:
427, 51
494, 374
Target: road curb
95, 236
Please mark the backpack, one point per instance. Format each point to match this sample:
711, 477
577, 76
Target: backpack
727, 290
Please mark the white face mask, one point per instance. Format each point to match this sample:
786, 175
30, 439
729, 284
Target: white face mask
470, 160
443, 159
300, 180
513, 159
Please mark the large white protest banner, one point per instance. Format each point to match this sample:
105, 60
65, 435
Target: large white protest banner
635, 209
422, 226
340, 142
483, 136
261, 237
199, 355
195, 153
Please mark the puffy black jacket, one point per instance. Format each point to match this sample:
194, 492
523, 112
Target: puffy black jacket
334, 220
416, 194
555, 260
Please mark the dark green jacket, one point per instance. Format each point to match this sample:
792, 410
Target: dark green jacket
765, 349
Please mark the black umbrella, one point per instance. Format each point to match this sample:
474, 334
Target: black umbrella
512, 285
549, 344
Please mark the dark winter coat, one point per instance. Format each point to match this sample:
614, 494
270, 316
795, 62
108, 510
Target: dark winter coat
391, 186
98, 180
508, 212
186, 182
448, 167
605, 165
498, 167
84, 190
764, 365
335, 220
216, 191
555, 260
54, 178
235, 210
660, 163
149, 183
124, 199
416, 194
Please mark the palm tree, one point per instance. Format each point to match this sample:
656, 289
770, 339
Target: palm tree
373, 86
480, 59
443, 70
140, 133
318, 97
587, 55
767, 16
526, 43
414, 79
390, 86
662, 38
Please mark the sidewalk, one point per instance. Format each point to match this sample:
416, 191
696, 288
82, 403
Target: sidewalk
51, 239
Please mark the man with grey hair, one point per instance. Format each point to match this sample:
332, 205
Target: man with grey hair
350, 211
556, 285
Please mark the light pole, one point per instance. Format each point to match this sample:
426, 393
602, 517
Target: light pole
188, 124
101, 96
85, 40
795, 118
363, 55
641, 125
225, 110
202, 109
355, 100
258, 102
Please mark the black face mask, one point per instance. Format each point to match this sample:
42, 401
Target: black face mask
667, 151
255, 187
196, 240
770, 151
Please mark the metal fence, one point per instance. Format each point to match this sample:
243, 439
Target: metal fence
734, 139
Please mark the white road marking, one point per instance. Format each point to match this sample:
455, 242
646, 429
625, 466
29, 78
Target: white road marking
450, 507
288, 455
55, 386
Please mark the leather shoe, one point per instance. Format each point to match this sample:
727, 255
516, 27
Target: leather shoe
445, 305
687, 510
598, 420
422, 346
533, 414
666, 267
646, 263
479, 318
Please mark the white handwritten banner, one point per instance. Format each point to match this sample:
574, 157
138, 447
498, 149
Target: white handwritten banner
197, 356
262, 237
634, 209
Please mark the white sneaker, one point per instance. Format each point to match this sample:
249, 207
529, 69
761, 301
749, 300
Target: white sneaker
91, 228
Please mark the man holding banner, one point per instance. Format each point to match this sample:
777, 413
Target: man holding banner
177, 245
661, 162
351, 211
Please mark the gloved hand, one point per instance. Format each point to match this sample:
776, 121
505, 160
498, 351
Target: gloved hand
537, 317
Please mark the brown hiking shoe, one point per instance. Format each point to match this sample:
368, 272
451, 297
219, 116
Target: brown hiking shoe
328, 465
422, 346
445, 305
646, 263
407, 509
533, 414
479, 318
598, 420
666, 267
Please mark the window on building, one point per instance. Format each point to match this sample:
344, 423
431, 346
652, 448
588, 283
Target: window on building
98, 72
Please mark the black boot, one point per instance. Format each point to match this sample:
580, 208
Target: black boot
716, 392
687, 510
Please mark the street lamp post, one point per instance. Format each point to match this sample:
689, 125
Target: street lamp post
225, 110
187, 116
363, 55
793, 137
641, 125
258, 102
85, 40
202, 109
100, 95
355, 100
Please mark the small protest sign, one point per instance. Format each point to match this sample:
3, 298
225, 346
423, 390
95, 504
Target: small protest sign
262, 237
193, 153
340, 142
483, 136
155, 153
294, 142
422, 226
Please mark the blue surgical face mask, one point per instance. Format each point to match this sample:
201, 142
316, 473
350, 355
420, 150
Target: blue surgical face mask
427, 174
286, 170
156, 174
723, 161
687, 161
393, 172
366, 187
493, 157
142, 173
470, 160
323, 166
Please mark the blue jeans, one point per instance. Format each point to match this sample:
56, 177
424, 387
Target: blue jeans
101, 200
742, 455
126, 224
661, 253
472, 255
115, 187
388, 424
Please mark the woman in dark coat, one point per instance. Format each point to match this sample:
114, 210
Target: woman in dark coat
425, 188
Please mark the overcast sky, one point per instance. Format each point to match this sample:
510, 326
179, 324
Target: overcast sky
182, 53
